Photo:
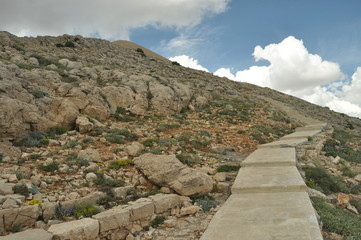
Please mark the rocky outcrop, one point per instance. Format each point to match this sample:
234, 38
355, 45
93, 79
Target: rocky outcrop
167, 170
83, 229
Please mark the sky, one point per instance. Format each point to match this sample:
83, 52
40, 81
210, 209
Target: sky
310, 49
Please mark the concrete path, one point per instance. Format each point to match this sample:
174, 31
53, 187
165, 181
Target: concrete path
269, 199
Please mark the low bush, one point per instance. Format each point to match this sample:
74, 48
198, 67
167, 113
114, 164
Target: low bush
319, 179
228, 168
188, 159
73, 159
206, 202
21, 189
72, 144
164, 126
51, 167
40, 93
149, 142
69, 44
158, 220
107, 182
118, 164
85, 210
34, 139
337, 219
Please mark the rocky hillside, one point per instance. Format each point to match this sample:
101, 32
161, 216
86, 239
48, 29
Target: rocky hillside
81, 115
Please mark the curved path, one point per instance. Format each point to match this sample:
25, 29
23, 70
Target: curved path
269, 199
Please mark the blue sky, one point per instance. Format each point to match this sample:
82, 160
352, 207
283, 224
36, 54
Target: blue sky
310, 48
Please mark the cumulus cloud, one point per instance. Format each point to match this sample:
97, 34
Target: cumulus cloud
291, 67
295, 71
110, 19
189, 62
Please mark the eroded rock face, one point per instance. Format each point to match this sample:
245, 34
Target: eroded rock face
167, 170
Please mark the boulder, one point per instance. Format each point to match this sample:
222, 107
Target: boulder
134, 149
90, 154
6, 188
83, 124
31, 234
83, 229
167, 170
112, 219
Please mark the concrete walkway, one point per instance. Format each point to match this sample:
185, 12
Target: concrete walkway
269, 199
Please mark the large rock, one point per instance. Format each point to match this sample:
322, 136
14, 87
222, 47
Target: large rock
83, 124
24, 216
90, 154
31, 234
83, 229
6, 188
167, 170
113, 218
134, 149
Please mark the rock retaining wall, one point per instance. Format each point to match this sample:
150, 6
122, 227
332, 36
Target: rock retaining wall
112, 224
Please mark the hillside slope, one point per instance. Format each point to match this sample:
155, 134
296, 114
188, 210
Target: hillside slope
75, 112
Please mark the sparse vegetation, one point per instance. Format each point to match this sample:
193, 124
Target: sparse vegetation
118, 164
228, 168
107, 182
34, 139
319, 179
337, 220
69, 44
158, 220
50, 167
206, 202
21, 189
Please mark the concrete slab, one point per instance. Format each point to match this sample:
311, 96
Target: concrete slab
265, 216
31, 234
268, 179
302, 134
284, 143
317, 126
271, 157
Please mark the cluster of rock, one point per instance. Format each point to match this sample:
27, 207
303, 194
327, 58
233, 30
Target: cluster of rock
116, 223
40, 91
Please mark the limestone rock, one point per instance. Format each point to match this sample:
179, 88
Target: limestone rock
83, 124
358, 178
141, 208
114, 218
134, 149
167, 170
343, 199
90, 177
164, 202
89, 154
220, 177
189, 210
83, 229
6, 188
31, 234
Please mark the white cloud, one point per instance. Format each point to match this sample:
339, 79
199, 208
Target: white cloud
291, 67
295, 71
189, 62
225, 72
109, 19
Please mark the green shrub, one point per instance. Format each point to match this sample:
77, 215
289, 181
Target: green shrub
356, 204
15, 229
118, 164
164, 126
107, 182
69, 44
175, 63
59, 45
21, 189
320, 179
34, 139
347, 172
206, 202
228, 168
73, 144
141, 52
73, 159
85, 210
1, 157
51, 167
337, 220
149, 142
158, 220
40, 94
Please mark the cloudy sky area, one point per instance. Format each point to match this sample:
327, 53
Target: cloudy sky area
310, 49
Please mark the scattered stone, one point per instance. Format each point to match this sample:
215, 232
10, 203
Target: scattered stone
343, 199
220, 177
83, 124
222, 187
189, 210
90, 177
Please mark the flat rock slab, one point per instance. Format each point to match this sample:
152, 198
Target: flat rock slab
32, 234
284, 143
271, 157
302, 134
268, 179
265, 216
